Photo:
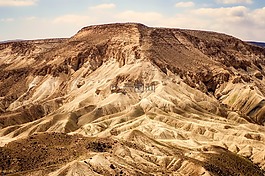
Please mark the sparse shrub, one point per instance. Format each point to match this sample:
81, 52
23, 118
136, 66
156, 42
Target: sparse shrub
98, 146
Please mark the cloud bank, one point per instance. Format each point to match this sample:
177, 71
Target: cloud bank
103, 6
17, 3
184, 4
235, 1
240, 19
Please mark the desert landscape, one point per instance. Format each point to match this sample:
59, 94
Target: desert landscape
128, 99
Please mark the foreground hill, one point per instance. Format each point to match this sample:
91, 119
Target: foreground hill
127, 99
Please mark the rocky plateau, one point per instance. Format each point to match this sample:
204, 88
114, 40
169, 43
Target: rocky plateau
127, 99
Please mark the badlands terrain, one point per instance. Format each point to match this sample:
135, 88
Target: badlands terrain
127, 99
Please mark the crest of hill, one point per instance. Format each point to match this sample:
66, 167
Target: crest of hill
190, 49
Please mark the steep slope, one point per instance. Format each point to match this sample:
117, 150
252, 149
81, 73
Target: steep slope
174, 101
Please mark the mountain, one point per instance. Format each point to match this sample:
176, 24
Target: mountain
258, 43
127, 99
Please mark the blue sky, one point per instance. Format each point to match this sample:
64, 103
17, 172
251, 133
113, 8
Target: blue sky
32, 19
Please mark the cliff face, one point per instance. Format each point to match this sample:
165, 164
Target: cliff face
171, 100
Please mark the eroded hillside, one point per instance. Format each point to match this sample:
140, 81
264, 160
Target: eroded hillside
127, 99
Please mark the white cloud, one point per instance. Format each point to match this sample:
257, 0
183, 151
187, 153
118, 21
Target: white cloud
238, 21
224, 19
258, 17
103, 6
237, 11
7, 19
141, 17
235, 1
7, 3
184, 4
72, 19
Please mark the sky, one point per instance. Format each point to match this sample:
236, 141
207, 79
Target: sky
38, 19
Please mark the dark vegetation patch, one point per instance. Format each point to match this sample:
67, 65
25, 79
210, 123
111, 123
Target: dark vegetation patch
226, 163
43, 150
99, 146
